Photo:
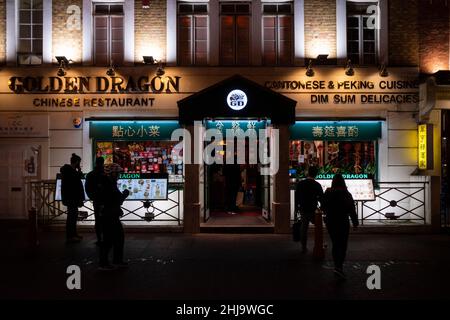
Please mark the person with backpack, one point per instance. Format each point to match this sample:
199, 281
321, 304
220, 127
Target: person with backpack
72, 194
338, 206
308, 193
94, 181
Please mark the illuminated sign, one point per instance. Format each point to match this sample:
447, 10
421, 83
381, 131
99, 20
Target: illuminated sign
237, 100
425, 146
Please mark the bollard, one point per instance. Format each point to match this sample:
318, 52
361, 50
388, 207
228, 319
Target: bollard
33, 241
318, 252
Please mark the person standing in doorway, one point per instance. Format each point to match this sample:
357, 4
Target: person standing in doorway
72, 194
94, 182
338, 206
307, 196
233, 182
113, 235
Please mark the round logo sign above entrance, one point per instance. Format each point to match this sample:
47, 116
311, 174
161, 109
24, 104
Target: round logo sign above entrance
237, 99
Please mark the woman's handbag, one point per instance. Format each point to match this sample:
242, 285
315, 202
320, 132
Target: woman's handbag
296, 229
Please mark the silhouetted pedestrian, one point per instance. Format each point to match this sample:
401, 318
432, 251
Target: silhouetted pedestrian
338, 206
233, 182
307, 195
72, 194
113, 235
94, 181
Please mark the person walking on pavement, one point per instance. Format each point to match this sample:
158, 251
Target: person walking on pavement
94, 181
338, 206
72, 194
113, 235
307, 195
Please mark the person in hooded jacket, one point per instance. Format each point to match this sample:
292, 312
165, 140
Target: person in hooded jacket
94, 181
113, 235
72, 194
338, 206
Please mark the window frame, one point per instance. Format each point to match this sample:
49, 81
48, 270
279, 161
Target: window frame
361, 41
235, 14
109, 28
31, 39
277, 15
192, 15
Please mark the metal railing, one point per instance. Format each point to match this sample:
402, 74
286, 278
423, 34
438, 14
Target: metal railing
42, 198
399, 201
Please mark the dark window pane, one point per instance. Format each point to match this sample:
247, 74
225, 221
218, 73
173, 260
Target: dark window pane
37, 46
354, 58
185, 8
352, 34
24, 46
227, 8
200, 8
369, 34
25, 31
369, 47
24, 16
37, 17
37, 4
353, 47
352, 22
101, 9
270, 8
284, 8
25, 4
37, 31
116, 9
242, 8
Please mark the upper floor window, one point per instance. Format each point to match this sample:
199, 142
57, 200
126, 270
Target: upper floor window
362, 42
235, 25
192, 34
277, 36
30, 34
108, 34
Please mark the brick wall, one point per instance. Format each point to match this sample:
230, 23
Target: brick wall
2, 31
66, 41
403, 33
150, 30
434, 35
320, 28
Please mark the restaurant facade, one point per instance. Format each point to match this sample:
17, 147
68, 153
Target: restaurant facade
139, 83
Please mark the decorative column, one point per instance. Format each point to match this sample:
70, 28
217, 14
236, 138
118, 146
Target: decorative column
191, 193
281, 192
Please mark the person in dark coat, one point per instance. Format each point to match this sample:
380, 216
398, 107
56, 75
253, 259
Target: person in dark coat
72, 194
94, 180
339, 206
113, 235
308, 193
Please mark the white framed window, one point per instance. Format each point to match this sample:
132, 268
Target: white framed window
30, 15
193, 33
362, 37
277, 33
89, 24
235, 30
362, 31
108, 34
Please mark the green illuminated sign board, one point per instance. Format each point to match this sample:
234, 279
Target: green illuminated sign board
132, 130
336, 130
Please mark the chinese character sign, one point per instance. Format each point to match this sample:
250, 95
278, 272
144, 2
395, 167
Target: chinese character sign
425, 146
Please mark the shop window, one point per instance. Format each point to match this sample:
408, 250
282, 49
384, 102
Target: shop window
362, 38
192, 34
235, 25
277, 34
30, 33
144, 157
108, 34
331, 157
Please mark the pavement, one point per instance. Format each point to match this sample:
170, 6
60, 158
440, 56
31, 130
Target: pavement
174, 266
